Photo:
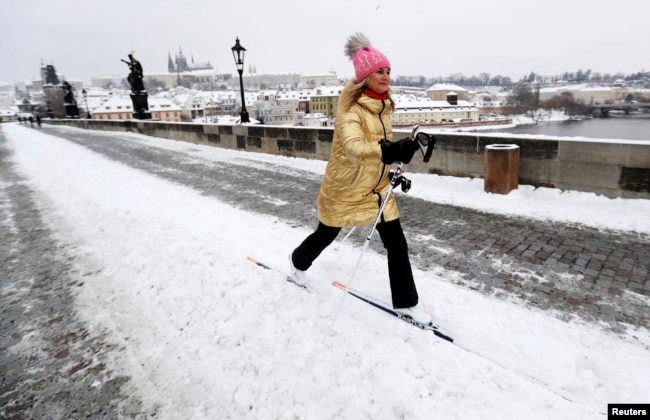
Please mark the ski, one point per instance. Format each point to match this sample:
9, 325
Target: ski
387, 308
445, 336
371, 301
286, 275
433, 328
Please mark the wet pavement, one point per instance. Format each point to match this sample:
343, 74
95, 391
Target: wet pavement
51, 365
50, 362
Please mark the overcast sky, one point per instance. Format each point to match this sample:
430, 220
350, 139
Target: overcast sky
86, 38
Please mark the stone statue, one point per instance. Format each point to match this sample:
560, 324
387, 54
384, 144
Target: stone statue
135, 76
68, 94
69, 102
138, 93
50, 75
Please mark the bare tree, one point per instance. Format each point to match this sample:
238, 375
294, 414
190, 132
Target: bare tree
522, 99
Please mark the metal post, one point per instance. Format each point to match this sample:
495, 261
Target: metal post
238, 54
244, 113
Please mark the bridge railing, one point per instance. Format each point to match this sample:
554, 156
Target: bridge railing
614, 169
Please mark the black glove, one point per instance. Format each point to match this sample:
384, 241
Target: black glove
397, 151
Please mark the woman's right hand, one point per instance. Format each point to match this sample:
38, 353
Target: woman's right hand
397, 151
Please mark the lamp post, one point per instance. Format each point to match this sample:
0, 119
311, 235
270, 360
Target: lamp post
238, 54
85, 94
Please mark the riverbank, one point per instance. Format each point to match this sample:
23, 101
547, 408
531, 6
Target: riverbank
556, 124
519, 120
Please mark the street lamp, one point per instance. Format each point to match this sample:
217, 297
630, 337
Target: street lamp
85, 94
238, 54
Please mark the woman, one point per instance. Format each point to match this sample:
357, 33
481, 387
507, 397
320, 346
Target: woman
357, 175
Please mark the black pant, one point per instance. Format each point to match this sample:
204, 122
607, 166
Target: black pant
402, 286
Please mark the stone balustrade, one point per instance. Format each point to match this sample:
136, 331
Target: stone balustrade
611, 168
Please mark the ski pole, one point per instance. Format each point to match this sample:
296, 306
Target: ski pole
394, 181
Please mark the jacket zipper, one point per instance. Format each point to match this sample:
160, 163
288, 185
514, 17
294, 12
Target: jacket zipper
383, 168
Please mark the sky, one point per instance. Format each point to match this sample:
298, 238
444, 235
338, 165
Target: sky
204, 334
86, 38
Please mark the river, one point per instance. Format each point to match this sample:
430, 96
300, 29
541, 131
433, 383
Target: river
632, 127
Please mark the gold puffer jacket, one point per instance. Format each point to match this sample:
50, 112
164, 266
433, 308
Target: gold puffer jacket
355, 175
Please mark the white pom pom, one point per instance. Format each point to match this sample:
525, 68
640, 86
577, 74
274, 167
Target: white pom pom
355, 43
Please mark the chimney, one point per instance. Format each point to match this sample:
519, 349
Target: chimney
452, 98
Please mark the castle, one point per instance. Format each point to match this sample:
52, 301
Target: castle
180, 64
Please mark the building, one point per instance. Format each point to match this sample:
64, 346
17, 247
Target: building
490, 108
162, 109
596, 95
113, 108
155, 82
8, 106
311, 82
412, 110
7, 115
288, 110
180, 64
277, 108
284, 108
202, 76
7, 94
304, 97
317, 120
325, 100
439, 92
206, 105
121, 108
583, 93
255, 81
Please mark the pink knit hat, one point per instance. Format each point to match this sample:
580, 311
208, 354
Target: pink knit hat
365, 58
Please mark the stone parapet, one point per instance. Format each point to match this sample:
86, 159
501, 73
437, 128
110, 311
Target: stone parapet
611, 168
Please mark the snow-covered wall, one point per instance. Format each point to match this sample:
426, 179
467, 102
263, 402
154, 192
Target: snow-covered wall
614, 168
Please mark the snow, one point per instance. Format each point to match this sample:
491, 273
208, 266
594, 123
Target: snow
205, 334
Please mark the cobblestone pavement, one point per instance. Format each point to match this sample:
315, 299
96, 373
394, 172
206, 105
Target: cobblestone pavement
51, 365
571, 270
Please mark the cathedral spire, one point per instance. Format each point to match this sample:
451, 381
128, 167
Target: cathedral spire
170, 64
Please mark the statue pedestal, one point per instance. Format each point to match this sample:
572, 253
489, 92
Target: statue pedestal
54, 98
140, 105
71, 111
